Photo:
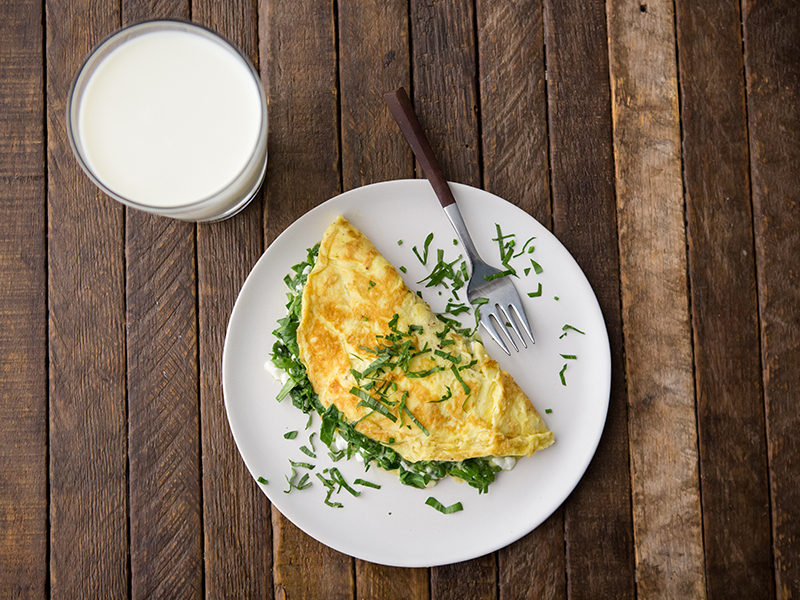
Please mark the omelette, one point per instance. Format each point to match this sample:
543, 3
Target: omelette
396, 372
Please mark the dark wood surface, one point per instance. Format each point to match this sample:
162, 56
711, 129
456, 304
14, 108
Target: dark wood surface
658, 140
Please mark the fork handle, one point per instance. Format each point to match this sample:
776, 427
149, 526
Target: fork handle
403, 112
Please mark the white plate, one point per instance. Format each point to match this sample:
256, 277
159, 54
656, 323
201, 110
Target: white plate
393, 525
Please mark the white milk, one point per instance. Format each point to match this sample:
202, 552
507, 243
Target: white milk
171, 117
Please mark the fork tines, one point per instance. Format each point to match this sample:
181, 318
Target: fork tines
506, 316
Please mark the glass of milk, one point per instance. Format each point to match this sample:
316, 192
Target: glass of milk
170, 118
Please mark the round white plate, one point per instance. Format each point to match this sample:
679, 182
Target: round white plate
393, 525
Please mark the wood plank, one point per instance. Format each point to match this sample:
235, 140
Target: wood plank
300, 77
515, 167
513, 102
238, 539
598, 523
301, 82
88, 420
445, 87
23, 319
534, 567
772, 48
374, 57
732, 438
445, 96
166, 544
655, 308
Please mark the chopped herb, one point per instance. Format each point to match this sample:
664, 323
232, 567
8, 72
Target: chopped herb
444, 397
371, 284
339, 479
370, 402
536, 267
262, 481
461, 381
445, 510
524, 246
367, 484
537, 293
424, 258
330, 485
301, 465
290, 435
567, 328
307, 452
498, 275
561, 374
548, 410
399, 242
555, 297
569, 356
402, 268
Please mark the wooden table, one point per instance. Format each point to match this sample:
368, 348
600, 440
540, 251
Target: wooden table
659, 141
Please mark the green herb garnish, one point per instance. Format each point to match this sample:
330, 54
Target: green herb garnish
445, 510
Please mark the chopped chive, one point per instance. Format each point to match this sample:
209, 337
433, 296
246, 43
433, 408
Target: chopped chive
402, 268
555, 297
566, 329
445, 510
303, 483
548, 410
424, 258
461, 381
366, 483
262, 481
371, 284
416, 422
536, 267
399, 242
338, 478
307, 452
561, 374
302, 465
537, 293
569, 356
290, 435
370, 402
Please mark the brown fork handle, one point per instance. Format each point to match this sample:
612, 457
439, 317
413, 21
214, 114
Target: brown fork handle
402, 111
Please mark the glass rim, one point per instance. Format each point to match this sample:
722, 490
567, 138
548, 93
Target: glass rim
111, 43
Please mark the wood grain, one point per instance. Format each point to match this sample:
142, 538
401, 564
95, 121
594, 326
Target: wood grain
655, 308
23, 320
534, 568
730, 411
237, 536
598, 525
445, 90
373, 59
88, 420
772, 47
513, 102
166, 544
300, 77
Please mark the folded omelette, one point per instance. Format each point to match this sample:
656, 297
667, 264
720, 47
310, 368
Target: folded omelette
403, 377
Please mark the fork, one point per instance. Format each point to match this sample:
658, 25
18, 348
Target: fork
504, 305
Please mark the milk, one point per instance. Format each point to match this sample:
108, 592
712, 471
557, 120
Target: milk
172, 120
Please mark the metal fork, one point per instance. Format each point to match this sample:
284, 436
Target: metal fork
504, 306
